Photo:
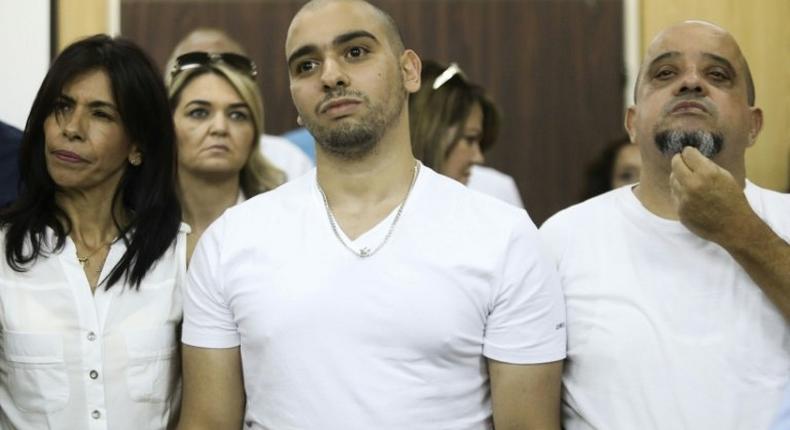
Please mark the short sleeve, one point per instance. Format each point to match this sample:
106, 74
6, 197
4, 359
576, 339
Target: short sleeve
526, 322
208, 319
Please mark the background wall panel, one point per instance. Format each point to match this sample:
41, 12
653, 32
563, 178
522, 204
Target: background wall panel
80, 18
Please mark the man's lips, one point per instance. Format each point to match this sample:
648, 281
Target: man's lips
689, 106
68, 156
338, 105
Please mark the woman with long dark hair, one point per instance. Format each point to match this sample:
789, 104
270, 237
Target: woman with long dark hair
92, 250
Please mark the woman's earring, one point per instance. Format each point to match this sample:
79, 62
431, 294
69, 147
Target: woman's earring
135, 159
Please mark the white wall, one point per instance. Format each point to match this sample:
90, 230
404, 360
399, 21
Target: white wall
24, 49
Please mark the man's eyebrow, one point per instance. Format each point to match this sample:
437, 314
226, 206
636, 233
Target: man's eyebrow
721, 60
351, 35
338, 40
662, 57
302, 51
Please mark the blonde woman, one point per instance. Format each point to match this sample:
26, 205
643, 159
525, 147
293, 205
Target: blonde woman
218, 116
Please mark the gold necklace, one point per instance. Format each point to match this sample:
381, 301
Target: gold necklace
84, 260
366, 252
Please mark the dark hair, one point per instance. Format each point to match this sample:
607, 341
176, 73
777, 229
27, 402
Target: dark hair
599, 172
434, 111
146, 192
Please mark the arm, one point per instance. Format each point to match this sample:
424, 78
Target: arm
525, 396
713, 206
213, 389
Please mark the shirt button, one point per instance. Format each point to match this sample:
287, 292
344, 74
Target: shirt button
95, 415
94, 374
91, 336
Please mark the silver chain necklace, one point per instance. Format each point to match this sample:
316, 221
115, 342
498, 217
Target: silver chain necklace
365, 252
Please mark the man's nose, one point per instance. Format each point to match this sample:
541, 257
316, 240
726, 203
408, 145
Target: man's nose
333, 75
691, 82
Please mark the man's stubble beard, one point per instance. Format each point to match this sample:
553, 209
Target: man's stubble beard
354, 138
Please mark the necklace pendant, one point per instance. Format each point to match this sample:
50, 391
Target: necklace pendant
364, 252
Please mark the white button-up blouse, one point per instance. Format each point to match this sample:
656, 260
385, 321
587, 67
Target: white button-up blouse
70, 359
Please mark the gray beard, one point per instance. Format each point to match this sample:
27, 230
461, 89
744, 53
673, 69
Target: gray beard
356, 138
671, 142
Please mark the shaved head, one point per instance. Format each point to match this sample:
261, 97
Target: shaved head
394, 37
654, 50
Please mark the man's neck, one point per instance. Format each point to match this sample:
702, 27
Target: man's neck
384, 171
655, 195
361, 192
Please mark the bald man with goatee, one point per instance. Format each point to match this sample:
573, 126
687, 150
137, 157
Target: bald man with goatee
677, 287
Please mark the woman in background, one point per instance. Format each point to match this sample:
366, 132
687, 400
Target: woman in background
452, 121
619, 164
218, 116
93, 253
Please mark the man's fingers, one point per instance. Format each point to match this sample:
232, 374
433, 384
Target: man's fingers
680, 170
697, 162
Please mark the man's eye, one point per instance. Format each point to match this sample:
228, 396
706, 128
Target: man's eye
664, 74
719, 75
305, 66
356, 52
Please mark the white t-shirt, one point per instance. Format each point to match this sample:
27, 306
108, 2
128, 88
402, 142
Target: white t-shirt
398, 340
70, 359
665, 329
285, 156
490, 181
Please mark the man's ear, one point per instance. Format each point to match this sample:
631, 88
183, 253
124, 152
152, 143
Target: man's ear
630, 115
411, 68
755, 125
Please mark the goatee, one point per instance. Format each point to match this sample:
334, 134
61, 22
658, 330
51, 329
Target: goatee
671, 142
355, 138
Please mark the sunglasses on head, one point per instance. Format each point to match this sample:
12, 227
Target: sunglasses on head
192, 60
448, 74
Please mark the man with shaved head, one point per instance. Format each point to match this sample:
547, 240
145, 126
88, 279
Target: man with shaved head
374, 293
676, 287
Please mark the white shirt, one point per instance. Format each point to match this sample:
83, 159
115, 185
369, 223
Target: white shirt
665, 329
285, 156
488, 180
72, 360
398, 340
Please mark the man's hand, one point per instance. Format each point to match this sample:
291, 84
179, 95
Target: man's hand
709, 200
712, 204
